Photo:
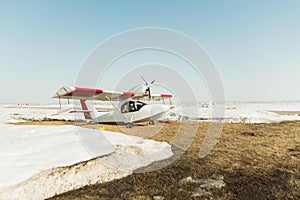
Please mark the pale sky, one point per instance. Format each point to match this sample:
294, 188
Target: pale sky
254, 44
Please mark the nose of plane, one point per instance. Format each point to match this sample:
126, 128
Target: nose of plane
160, 108
166, 108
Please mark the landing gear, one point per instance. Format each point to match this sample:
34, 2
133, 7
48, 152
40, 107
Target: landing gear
128, 125
151, 122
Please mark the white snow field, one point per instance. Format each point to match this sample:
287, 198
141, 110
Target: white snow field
32, 157
237, 112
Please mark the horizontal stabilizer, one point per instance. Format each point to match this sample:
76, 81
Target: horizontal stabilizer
66, 109
81, 111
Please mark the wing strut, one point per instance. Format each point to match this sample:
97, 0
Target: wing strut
68, 97
59, 100
115, 106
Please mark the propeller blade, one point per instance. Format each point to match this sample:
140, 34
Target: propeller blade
148, 86
144, 80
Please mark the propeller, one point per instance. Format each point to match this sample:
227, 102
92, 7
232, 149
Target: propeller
148, 86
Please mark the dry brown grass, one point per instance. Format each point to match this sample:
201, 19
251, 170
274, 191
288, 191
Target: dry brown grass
258, 161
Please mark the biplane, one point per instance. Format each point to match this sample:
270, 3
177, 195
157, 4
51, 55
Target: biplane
130, 107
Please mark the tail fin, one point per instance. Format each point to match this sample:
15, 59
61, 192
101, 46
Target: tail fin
91, 113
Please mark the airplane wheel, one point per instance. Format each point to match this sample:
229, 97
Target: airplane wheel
151, 122
129, 125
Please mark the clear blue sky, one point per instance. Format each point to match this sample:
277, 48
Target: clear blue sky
255, 44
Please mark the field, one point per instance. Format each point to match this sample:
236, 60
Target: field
257, 161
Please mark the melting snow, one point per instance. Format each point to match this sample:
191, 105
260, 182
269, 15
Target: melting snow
36, 151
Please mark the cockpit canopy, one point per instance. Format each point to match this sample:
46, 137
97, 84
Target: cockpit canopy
132, 106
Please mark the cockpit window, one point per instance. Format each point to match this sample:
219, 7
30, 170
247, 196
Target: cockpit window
139, 104
125, 108
132, 106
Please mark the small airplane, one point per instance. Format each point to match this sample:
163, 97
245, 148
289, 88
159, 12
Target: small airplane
129, 109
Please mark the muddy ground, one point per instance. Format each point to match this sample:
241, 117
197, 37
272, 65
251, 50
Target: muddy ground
257, 161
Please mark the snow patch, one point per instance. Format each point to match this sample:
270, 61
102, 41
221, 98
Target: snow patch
37, 162
236, 112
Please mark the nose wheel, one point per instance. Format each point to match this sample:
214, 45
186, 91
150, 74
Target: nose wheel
151, 122
128, 125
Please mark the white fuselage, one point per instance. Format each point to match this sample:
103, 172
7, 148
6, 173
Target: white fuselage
146, 113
